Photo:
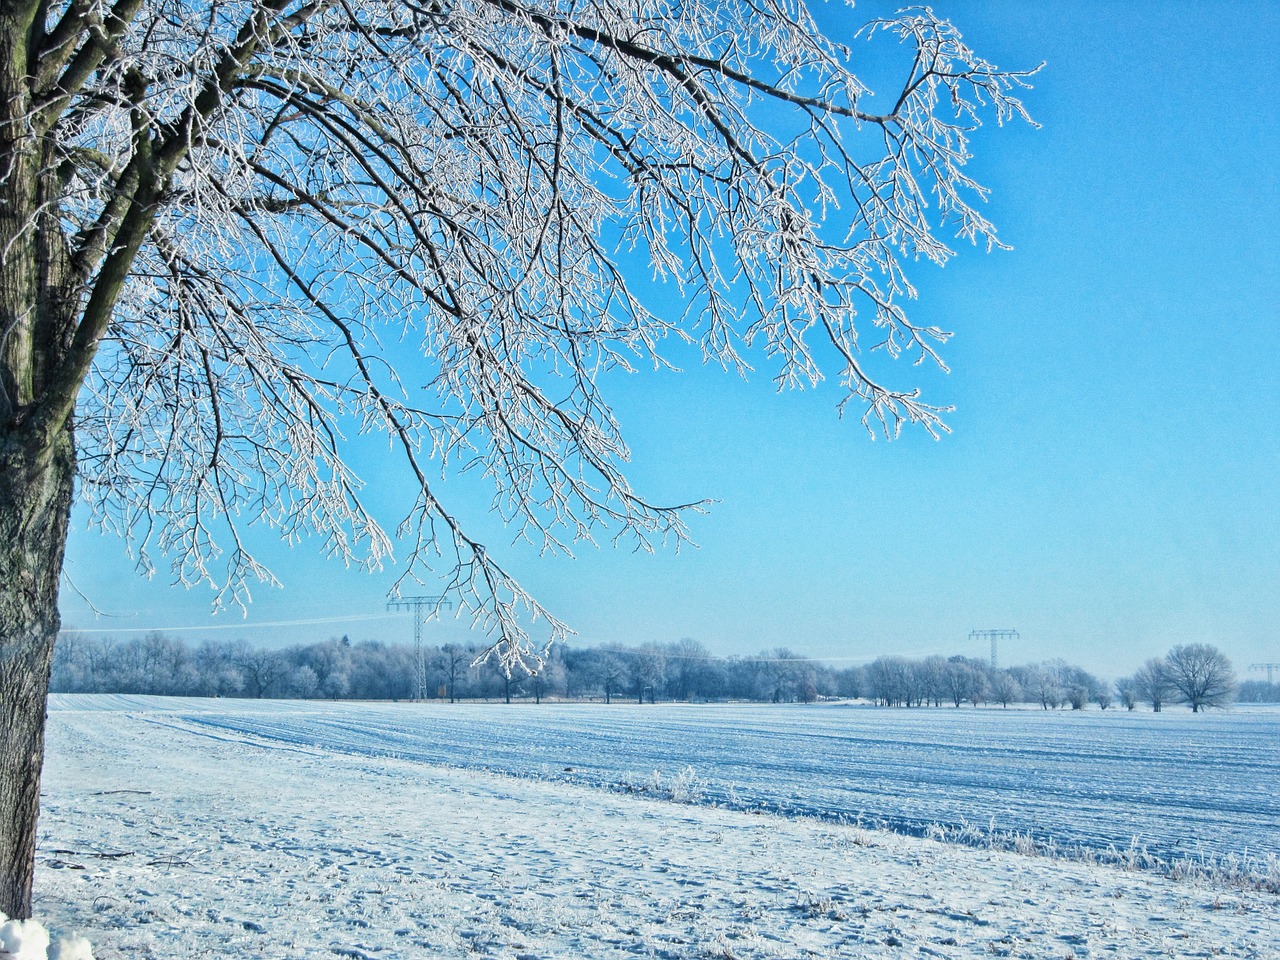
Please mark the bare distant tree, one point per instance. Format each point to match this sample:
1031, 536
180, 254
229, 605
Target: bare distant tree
647, 667
1127, 692
981, 687
453, 661
1153, 683
217, 219
612, 671
262, 670
959, 680
895, 681
850, 683
1041, 685
1202, 676
687, 669
1005, 688
547, 679
932, 675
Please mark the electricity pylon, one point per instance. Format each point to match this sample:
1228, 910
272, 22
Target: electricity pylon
1269, 667
993, 636
423, 608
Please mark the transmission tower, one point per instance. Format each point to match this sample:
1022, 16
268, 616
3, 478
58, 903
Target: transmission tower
1269, 667
423, 609
993, 636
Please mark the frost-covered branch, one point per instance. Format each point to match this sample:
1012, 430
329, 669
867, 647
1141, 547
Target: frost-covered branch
292, 224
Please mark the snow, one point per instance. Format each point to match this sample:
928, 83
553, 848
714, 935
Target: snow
218, 828
29, 940
1175, 785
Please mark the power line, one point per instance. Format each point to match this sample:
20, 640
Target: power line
247, 625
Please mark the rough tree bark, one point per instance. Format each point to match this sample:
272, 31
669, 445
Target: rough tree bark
35, 503
37, 456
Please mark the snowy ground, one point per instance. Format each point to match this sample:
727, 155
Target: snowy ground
163, 837
1177, 785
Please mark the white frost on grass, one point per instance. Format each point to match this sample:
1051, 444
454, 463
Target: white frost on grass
29, 940
1175, 788
168, 841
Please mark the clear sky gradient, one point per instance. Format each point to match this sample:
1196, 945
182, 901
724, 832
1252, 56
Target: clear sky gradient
1110, 487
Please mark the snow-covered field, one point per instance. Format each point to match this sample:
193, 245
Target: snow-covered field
180, 828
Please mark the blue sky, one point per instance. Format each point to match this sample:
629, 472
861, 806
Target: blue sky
1110, 487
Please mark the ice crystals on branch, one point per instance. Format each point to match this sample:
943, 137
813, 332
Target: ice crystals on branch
415, 220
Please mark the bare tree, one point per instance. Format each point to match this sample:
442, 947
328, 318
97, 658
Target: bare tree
218, 219
547, 679
895, 681
688, 671
262, 670
1005, 688
1041, 687
647, 669
453, 661
1154, 682
962, 681
1127, 691
932, 673
1202, 676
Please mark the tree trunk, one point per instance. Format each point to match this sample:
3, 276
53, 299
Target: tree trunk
35, 506
37, 466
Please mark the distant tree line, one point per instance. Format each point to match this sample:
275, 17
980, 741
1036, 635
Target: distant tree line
1258, 691
1197, 675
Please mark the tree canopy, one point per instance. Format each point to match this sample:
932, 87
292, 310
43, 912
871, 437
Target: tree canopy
238, 234
285, 223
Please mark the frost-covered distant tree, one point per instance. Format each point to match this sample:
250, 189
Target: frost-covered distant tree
688, 673
303, 682
1202, 676
849, 683
1041, 685
234, 234
1154, 683
1127, 692
382, 672
452, 663
959, 680
331, 662
1005, 688
547, 680
895, 681
611, 671
647, 669
932, 675
263, 671
216, 666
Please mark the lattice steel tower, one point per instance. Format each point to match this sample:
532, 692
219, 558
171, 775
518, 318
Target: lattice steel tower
423, 609
1269, 667
993, 636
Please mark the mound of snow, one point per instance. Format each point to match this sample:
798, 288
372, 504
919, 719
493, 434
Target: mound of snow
28, 940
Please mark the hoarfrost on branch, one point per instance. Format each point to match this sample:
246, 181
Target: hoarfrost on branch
290, 223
